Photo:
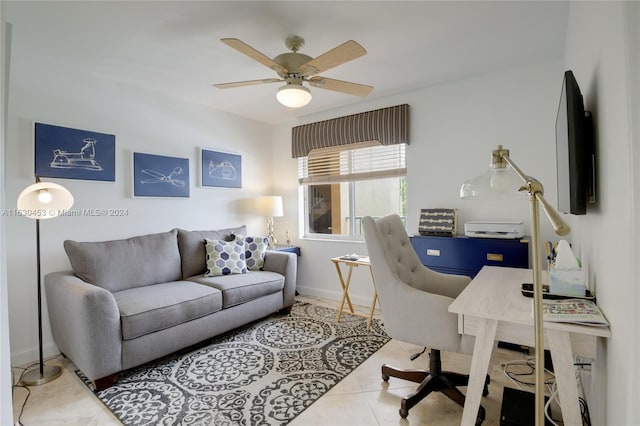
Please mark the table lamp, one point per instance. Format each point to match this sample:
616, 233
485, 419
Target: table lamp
500, 181
42, 200
270, 206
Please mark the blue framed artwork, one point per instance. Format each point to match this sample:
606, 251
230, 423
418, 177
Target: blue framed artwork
160, 176
220, 169
62, 152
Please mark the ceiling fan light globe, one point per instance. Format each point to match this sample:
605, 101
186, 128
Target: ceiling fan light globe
293, 95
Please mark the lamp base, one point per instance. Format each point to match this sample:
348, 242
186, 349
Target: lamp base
34, 378
272, 239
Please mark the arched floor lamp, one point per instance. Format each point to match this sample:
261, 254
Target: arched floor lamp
499, 180
42, 200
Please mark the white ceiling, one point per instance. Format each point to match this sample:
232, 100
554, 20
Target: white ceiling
173, 47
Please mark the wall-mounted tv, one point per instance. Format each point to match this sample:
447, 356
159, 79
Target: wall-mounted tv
575, 157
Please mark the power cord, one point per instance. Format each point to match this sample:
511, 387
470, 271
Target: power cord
553, 390
18, 384
416, 355
584, 412
530, 371
514, 376
584, 408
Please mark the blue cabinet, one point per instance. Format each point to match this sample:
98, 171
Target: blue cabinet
466, 256
290, 249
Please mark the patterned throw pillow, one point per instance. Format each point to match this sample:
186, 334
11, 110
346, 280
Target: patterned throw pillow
225, 257
255, 248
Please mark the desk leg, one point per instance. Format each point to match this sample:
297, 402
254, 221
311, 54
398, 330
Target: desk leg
375, 299
345, 290
562, 357
373, 307
482, 355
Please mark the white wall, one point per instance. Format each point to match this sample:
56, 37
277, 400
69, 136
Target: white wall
632, 27
453, 129
143, 122
604, 59
6, 377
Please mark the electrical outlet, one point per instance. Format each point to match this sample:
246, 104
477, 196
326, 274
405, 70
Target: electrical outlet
582, 363
583, 374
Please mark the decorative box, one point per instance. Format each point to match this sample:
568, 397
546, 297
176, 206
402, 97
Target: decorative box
441, 222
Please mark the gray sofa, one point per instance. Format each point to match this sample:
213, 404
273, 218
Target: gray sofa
127, 302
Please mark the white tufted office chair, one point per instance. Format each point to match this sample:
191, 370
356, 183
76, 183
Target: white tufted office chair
414, 301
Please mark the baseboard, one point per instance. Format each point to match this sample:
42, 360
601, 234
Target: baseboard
31, 355
334, 295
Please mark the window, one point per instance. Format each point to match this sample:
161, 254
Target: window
345, 183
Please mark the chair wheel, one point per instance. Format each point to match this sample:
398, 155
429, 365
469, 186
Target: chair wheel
403, 413
481, 416
485, 390
385, 377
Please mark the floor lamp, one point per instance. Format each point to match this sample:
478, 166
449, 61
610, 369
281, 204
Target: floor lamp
270, 206
42, 200
499, 180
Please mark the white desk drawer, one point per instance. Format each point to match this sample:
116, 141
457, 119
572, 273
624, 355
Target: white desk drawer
520, 334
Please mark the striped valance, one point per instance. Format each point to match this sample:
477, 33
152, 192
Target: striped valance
389, 126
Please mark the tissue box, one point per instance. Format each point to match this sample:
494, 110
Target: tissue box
567, 282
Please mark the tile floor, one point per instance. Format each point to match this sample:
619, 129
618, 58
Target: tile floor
362, 398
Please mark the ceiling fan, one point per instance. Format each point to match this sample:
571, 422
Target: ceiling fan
294, 68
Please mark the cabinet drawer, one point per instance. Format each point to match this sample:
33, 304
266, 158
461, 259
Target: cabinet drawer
467, 256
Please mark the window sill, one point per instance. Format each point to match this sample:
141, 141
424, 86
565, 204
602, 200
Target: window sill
335, 239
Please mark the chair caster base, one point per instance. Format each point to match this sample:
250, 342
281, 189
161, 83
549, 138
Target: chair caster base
481, 416
485, 390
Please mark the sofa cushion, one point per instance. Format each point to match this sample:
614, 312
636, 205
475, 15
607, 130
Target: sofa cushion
191, 246
144, 310
255, 249
237, 289
225, 257
123, 264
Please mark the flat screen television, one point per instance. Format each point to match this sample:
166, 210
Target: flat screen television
575, 159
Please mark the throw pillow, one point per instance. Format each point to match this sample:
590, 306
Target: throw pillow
225, 257
255, 249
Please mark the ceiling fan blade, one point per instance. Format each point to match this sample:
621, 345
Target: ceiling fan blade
346, 52
341, 86
246, 83
243, 47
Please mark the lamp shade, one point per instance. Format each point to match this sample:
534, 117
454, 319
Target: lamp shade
494, 183
44, 200
270, 206
293, 95
500, 181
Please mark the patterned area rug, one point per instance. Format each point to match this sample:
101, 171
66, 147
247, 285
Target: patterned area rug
265, 373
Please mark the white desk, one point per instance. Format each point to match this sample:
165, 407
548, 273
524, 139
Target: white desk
493, 309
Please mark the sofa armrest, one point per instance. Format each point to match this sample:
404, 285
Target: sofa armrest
284, 263
85, 323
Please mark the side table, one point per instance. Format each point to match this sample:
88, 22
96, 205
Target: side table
350, 263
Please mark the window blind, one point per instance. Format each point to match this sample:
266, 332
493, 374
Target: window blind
360, 161
389, 126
